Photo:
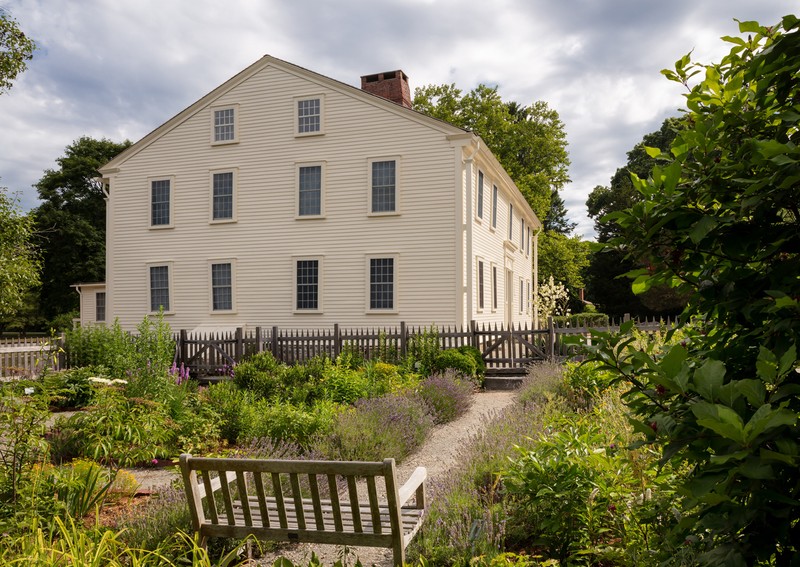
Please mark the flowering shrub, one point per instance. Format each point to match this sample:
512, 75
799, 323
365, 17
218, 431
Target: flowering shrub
552, 299
448, 396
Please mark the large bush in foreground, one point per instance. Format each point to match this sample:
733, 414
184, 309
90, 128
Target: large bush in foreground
719, 220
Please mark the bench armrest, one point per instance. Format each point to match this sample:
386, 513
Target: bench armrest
414, 485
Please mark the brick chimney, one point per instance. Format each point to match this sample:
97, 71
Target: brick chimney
391, 85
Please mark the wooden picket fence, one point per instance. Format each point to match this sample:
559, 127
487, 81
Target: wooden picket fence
505, 350
26, 357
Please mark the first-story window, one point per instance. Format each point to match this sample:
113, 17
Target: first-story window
100, 306
309, 190
159, 288
307, 285
222, 196
480, 284
222, 287
381, 283
528, 298
521, 295
494, 287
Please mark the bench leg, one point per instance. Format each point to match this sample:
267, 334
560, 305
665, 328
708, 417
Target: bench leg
398, 551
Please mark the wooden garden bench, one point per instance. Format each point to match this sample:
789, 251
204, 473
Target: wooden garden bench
300, 501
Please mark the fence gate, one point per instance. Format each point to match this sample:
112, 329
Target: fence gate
510, 351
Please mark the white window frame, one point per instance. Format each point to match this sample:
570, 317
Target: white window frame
511, 223
219, 108
521, 234
528, 242
528, 296
150, 181
395, 282
494, 285
321, 165
521, 295
297, 101
397, 186
320, 281
170, 283
495, 203
234, 196
97, 296
480, 283
479, 196
211, 263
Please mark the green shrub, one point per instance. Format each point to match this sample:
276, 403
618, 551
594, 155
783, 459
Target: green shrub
235, 409
344, 386
587, 319
480, 365
259, 374
384, 378
458, 361
71, 388
286, 422
423, 347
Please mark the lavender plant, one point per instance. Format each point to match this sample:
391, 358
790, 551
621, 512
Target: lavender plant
448, 395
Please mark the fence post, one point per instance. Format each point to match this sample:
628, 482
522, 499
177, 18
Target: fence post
403, 339
337, 341
473, 329
238, 348
258, 340
551, 343
274, 345
183, 348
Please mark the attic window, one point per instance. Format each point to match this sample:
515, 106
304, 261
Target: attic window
225, 125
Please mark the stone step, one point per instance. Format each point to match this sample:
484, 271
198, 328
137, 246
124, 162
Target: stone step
502, 382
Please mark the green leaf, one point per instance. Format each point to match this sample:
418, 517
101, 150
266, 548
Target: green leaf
753, 390
749, 27
673, 360
702, 227
640, 285
767, 365
720, 419
756, 469
652, 152
765, 419
708, 379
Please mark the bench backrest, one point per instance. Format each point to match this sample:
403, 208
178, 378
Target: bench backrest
292, 494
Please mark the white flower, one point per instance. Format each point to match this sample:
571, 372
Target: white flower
29, 391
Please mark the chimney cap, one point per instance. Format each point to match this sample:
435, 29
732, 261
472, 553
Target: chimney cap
391, 85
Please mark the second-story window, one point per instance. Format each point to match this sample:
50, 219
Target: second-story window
222, 188
479, 205
383, 191
309, 180
160, 199
494, 206
510, 221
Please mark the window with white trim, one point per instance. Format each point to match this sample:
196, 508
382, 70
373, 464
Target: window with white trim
383, 186
480, 285
528, 297
521, 295
382, 284
479, 199
510, 221
161, 202
222, 195
528, 243
494, 287
222, 286
307, 280
521, 235
494, 206
159, 288
225, 125
309, 115
309, 190
100, 306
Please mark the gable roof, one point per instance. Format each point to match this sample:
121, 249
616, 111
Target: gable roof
267, 61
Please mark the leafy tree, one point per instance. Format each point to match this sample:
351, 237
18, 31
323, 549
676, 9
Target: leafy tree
529, 141
71, 222
15, 50
19, 260
604, 275
556, 219
563, 258
719, 217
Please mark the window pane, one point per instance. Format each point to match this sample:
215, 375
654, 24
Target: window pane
159, 202
480, 285
308, 116
307, 284
100, 306
494, 287
494, 206
159, 288
480, 195
310, 190
381, 283
221, 287
223, 125
383, 186
223, 196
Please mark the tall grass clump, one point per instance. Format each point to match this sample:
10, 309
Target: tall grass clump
373, 429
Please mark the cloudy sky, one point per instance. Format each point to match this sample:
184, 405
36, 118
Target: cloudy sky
120, 68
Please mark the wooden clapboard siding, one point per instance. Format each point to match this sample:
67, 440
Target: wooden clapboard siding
267, 236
